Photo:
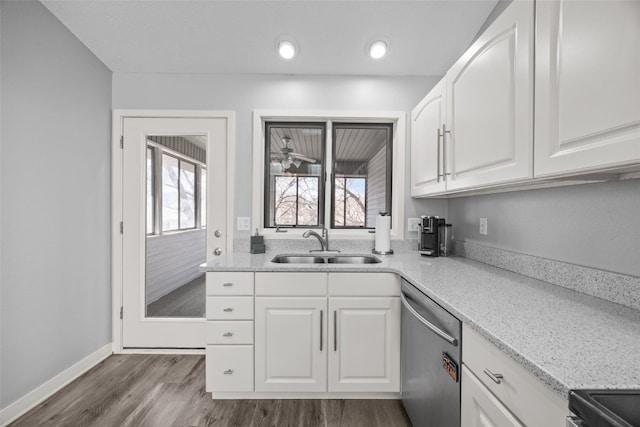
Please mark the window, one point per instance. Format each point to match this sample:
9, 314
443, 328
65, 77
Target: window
362, 172
176, 191
295, 171
294, 164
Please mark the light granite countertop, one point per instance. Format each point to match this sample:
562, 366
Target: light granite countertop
568, 340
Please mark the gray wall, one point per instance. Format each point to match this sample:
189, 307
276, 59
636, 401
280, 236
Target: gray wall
55, 187
594, 225
244, 93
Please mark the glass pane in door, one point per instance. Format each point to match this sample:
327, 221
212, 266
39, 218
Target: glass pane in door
176, 235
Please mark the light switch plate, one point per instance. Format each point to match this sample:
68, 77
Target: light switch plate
484, 226
243, 223
413, 224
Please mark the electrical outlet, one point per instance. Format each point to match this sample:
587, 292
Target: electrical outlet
413, 224
484, 226
243, 223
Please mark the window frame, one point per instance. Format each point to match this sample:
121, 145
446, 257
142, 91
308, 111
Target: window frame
397, 119
388, 175
158, 150
266, 181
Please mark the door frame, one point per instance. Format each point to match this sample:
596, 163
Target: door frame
117, 124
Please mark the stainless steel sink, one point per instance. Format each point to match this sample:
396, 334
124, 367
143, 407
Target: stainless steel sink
298, 259
325, 259
353, 259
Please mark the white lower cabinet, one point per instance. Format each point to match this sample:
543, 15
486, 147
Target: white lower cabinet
496, 391
480, 408
290, 340
364, 347
229, 352
229, 368
335, 332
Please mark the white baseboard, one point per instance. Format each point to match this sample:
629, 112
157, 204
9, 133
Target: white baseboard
39, 394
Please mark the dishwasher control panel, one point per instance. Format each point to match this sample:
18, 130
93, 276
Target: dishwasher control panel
450, 366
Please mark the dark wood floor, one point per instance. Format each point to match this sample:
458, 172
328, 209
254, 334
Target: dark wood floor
168, 390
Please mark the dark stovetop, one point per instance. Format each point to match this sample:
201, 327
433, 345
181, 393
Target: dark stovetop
606, 408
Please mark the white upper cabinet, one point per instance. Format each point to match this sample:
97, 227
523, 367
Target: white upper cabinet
587, 86
475, 128
427, 120
489, 124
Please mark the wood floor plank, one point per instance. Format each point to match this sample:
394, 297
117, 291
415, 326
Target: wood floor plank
169, 390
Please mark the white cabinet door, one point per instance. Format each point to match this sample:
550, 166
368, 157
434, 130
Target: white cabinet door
587, 85
480, 408
364, 344
290, 344
427, 119
489, 137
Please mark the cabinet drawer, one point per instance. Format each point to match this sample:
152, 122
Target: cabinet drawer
230, 332
230, 308
229, 368
364, 284
291, 284
525, 396
229, 283
479, 405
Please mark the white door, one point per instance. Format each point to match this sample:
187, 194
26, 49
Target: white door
490, 104
480, 408
291, 344
587, 85
171, 167
364, 344
427, 118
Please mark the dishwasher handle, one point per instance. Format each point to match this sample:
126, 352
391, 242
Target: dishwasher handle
439, 332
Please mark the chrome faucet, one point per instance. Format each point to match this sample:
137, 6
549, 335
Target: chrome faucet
324, 239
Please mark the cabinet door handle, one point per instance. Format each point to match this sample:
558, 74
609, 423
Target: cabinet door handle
228, 309
496, 378
321, 313
226, 285
228, 372
444, 150
335, 330
440, 135
227, 334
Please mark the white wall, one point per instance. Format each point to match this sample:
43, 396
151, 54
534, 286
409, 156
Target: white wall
172, 261
594, 225
245, 93
55, 174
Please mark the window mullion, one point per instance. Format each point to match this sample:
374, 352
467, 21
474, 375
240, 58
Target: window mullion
157, 191
196, 195
179, 198
329, 175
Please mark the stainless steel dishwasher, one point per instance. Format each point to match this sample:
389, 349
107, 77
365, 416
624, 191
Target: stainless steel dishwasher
431, 354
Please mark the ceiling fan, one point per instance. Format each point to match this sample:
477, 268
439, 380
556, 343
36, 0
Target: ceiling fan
288, 157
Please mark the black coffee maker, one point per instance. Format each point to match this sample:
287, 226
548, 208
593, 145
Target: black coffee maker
435, 236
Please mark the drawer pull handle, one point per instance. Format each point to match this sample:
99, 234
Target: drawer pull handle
227, 334
228, 372
496, 378
228, 309
226, 285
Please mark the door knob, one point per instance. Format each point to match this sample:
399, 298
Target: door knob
217, 233
217, 251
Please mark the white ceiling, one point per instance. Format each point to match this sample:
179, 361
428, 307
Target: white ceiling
225, 36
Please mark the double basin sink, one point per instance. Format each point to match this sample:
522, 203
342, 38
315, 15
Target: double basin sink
325, 258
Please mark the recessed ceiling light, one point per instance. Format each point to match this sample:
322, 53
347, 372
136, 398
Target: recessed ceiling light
287, 49
377, 49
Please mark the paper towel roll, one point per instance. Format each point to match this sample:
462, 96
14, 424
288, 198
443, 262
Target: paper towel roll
383, 232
